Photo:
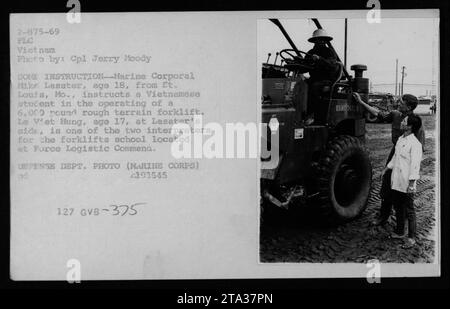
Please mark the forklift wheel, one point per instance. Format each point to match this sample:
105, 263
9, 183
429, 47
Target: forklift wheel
344, 179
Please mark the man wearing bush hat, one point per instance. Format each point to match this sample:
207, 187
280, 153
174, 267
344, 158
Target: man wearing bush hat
324, 71
325, 59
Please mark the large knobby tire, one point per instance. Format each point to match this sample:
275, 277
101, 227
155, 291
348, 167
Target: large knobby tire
344, 179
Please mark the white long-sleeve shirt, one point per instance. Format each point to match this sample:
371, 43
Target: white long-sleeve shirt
405, 163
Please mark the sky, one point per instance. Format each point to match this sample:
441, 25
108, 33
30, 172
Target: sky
413, 41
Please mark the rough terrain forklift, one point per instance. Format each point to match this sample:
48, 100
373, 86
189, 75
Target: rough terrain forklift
324, 163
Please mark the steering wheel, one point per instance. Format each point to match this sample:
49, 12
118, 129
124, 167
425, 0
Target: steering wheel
294, 62
290, 54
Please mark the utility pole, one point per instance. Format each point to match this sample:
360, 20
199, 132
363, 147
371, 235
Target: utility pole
396, 75
345, 45
403, 77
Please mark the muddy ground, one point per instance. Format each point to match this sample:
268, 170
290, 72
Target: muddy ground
304, 239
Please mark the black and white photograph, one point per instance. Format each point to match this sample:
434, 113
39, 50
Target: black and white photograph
350, 106
225, 147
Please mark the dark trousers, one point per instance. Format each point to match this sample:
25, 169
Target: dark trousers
318, 105
404, 208
386, 192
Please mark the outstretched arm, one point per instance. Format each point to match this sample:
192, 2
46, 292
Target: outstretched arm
373, 110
